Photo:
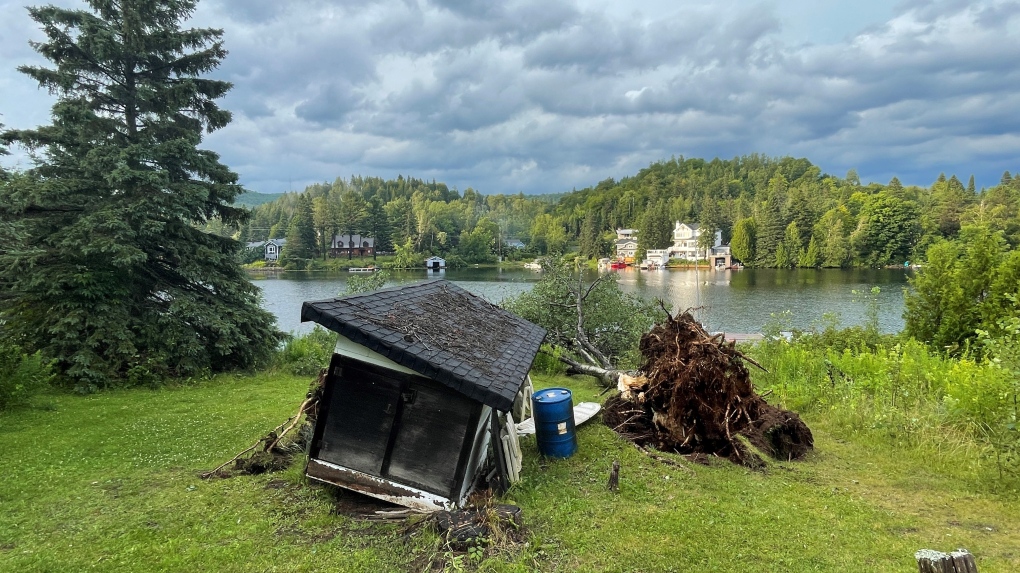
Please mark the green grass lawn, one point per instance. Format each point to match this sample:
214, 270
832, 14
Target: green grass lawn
110, 483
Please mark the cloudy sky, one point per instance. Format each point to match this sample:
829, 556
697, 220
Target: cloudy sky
548, 95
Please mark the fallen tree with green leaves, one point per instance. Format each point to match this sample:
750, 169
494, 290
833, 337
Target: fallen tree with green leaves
593, 326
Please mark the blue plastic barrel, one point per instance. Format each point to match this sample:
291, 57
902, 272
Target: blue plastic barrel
554, 422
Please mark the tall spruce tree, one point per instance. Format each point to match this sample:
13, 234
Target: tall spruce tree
379, 227
3, 151
591, 236
656, 230
324, 216
352, 216
770, 228
301, 243
810, 257
112, 276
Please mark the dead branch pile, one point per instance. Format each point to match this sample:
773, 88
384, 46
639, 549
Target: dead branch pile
481, 334
695, 397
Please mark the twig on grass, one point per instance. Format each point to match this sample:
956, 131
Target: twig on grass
665, 460
293, 422
211, 473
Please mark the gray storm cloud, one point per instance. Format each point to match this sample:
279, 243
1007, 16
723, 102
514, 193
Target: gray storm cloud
547, 96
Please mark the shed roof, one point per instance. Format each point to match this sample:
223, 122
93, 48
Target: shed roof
442, 332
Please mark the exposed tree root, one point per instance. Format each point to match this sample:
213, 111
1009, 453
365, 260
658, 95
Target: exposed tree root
695, 396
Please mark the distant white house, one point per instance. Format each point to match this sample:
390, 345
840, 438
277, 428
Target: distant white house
685, 247
273, 248
435, 264
657, 257
685, 242
514, 243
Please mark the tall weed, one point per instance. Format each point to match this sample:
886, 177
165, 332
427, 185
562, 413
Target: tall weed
1003, 431
21, 375
902, 394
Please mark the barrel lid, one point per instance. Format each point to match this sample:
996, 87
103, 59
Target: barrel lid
551, 395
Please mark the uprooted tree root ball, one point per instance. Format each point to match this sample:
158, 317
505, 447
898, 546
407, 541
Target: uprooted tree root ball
695, 396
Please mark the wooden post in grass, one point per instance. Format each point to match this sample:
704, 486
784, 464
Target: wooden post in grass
959, 561
614, 477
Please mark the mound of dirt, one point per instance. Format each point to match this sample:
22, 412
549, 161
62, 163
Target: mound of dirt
695, 396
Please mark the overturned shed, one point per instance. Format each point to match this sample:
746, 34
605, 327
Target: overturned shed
414, 390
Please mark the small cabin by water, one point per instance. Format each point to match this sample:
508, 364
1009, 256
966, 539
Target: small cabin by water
418, 392
434, 264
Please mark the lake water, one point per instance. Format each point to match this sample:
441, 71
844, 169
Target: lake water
730, 301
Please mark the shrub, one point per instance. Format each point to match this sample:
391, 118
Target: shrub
455, 262
365, 283
998, 401
307, 354
21, 375
613, 320
547, 361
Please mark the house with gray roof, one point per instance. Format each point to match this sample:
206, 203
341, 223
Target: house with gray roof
352, 245
272, 248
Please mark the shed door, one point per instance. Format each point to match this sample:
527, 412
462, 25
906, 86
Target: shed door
430, 438
360, 419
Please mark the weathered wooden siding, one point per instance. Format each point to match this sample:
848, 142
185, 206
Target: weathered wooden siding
397, 426
430, 437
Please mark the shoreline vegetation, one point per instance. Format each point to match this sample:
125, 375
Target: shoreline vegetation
386, 262
773, 212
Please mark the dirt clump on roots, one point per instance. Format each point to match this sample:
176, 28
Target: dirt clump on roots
695, 397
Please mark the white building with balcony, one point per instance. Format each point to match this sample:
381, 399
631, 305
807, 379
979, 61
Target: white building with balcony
685, 242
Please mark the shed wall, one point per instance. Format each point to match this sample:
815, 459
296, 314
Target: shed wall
408, 429
479, 451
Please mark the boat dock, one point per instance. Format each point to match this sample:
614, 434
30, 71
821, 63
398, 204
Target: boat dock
742, 336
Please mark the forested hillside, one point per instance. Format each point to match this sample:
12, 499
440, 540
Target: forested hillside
775, 212
405, 215
253, 199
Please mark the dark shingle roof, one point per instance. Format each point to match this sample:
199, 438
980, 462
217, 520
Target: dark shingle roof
442, 332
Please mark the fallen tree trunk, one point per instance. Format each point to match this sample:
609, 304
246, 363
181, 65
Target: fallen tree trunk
271, 453
608, 377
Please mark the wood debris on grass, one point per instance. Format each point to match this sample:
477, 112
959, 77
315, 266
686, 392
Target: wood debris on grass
694, 396
273, 452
